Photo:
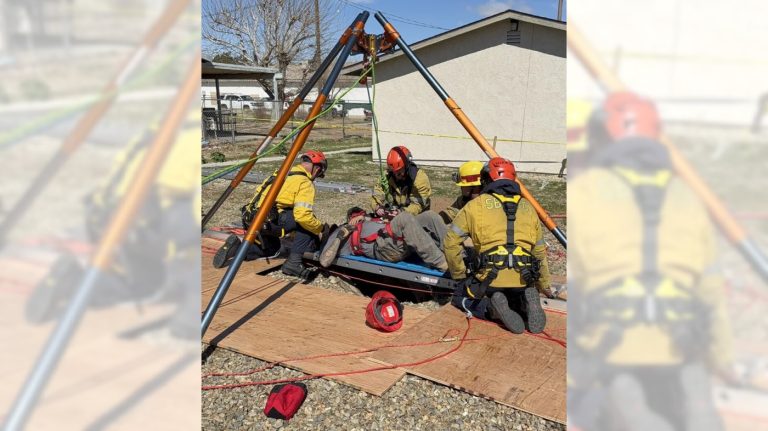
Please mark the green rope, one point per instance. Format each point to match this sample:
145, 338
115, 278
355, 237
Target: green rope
275, 147
383, 183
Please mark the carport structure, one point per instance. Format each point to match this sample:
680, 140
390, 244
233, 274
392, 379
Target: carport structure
219, 71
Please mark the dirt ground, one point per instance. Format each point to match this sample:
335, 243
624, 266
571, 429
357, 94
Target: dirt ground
359, 169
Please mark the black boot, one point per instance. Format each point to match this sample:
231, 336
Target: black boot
227, 251
295, 268
500, 310
535, 316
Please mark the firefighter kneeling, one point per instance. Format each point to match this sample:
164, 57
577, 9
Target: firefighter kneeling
512, 266
291, 213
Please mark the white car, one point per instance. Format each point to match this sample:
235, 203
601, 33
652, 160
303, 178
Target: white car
238, 101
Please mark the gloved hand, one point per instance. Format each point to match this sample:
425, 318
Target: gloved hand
548, 293
473, 288
324, 233
380, 211
356, 219
530, 273
345, 231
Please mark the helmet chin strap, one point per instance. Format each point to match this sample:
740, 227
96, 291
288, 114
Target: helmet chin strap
317, 170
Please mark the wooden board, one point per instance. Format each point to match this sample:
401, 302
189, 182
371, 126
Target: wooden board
210, 244
274, 320
521, 371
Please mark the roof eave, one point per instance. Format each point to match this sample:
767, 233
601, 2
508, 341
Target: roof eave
354, 69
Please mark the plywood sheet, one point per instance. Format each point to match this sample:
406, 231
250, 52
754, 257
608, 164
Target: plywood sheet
209, 246
521, 371
274, 320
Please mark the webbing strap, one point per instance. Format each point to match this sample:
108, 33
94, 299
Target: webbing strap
380, 304
510, 209
356, 239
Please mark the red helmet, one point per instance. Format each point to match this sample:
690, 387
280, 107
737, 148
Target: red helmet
384, 312
499, 168
316, 158
399, 158
627, 115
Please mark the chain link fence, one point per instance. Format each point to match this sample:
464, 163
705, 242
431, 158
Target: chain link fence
237, 118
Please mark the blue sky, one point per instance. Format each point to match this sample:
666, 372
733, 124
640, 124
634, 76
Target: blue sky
420, 19
447, 14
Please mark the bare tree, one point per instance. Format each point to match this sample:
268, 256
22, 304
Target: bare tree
268, 33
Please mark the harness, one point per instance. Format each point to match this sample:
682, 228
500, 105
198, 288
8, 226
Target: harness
357, 239
649, 296
249, 210
510, 255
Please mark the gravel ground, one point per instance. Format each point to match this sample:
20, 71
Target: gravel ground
411, 404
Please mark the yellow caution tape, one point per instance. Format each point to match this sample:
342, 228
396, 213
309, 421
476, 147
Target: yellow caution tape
433, 135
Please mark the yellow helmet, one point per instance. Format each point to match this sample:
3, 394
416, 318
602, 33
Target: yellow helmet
468, 174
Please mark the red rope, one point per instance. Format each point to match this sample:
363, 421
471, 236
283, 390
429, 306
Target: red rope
347, 373
464, 338
545, 336
450, 334
233, 230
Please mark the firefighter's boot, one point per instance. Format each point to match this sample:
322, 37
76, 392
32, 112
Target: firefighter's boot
227, 251
500, 310
295, 268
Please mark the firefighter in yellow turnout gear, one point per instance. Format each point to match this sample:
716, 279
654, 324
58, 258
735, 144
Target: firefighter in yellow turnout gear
650, 311
468, 178
408, 186
293, 212
506, 234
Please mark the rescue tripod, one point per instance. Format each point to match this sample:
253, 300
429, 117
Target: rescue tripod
738, 236
369, 46
120, 223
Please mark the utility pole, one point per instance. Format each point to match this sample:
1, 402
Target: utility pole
316, 59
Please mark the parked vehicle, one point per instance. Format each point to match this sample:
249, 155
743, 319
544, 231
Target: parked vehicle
338, 111
239, 101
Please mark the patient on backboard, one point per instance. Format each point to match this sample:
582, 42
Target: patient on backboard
390, 239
